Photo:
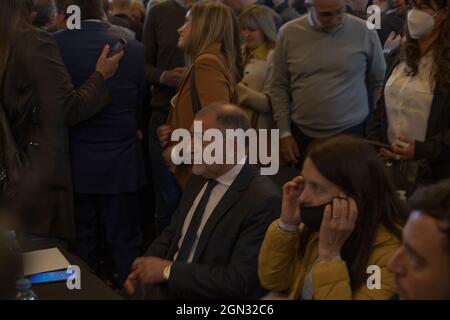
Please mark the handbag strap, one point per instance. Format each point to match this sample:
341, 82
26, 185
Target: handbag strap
194, 93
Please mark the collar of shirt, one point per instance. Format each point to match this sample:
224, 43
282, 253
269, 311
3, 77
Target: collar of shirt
315, 24
228, 177
93, 20
259, 53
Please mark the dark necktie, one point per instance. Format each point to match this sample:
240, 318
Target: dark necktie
191, 234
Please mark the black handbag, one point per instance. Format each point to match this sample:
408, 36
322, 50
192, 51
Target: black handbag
194, 94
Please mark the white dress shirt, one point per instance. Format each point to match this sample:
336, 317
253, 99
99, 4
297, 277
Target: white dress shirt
224, 183
409, 100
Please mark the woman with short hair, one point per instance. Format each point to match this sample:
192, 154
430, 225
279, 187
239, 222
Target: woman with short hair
258, 32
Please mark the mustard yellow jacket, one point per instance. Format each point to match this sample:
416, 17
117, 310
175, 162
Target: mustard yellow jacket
282, 269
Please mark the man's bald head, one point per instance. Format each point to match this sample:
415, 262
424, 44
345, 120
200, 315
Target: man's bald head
225, 115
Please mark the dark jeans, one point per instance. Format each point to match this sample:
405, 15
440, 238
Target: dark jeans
118, 216
304, 141
166, 189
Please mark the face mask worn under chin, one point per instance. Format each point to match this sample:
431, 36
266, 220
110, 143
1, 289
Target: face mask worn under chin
312, 216
420, 24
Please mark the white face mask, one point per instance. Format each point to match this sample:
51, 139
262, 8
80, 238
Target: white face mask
420, 24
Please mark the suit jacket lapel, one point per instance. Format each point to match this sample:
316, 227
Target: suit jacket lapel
229, 199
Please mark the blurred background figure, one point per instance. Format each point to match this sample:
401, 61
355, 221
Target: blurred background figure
393, 21
284, 13
120, 13
358, 8
164, 70
259, 35
138, 11
384, 5
60, 21
42, 13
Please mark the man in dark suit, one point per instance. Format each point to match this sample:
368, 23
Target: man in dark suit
210, 249
105, 152
164, 64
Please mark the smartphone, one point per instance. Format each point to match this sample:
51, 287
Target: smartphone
377, 144
117, 47
49, 277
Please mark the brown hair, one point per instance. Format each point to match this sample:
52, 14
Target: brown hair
259, 17
12, 17
355, 167
411, 54
212, 23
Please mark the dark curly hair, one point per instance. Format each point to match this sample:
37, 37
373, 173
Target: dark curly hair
411, 51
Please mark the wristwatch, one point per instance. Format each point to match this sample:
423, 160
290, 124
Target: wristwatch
166, 272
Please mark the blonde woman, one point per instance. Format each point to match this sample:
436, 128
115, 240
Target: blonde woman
259, 34
207, 37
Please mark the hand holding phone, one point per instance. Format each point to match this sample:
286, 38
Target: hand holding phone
401, 144
118, 46
106, 66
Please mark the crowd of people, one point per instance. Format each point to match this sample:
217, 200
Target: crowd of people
86, 149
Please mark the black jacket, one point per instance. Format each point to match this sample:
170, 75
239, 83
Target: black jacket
435, 150
41, 104
226, 258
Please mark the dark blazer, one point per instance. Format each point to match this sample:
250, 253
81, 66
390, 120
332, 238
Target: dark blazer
105, 152
41, 103
161, 50
435, 150
226, 259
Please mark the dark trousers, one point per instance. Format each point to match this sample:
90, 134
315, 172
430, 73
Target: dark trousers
166, 189
305, 141
118, 216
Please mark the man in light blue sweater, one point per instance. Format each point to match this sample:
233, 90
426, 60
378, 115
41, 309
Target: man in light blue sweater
326, 66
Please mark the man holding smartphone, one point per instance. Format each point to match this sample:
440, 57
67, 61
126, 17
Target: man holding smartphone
106, 156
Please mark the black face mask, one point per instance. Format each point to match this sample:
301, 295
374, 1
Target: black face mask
312, 216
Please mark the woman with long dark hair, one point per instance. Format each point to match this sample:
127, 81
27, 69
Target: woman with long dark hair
39, 103
339, 218
414, 113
